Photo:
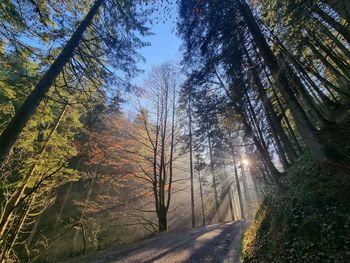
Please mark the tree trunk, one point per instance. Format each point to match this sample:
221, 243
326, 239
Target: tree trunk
213, 176
325, 30
280, 150
329, 85
162, 220
302, 70
309, 134
342, 7
162, 166
336, 73
7, 246
261, 148
228, 186
171, 161
275, 125
238, 186
324, 98
231, 204
245, 190
87, 199
306, 100
343, 66
11, 133
261, 145
264, 155
283, 113
191, 160
253, 197
345, 32
201, 194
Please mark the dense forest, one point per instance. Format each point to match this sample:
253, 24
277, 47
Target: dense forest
251, 124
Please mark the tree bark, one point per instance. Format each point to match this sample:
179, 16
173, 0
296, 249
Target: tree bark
162, 220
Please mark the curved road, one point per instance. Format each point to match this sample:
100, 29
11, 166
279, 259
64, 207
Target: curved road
215, 243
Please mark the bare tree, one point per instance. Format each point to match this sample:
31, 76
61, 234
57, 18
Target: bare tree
157, 135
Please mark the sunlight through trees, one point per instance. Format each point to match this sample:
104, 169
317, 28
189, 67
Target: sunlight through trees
249, 121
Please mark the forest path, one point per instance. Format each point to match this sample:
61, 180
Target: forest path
214, 243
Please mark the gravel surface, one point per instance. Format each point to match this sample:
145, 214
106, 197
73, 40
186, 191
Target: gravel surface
215, 243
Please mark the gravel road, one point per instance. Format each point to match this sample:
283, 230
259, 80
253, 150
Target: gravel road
215, 243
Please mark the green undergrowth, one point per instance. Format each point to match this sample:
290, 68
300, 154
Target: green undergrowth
309, 221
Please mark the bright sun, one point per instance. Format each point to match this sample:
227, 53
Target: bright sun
245, 161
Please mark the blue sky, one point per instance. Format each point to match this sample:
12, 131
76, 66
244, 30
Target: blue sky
164, 45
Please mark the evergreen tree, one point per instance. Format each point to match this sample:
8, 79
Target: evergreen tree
84, 57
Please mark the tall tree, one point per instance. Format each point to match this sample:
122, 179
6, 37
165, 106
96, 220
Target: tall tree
158, 139
115, 17
189, 113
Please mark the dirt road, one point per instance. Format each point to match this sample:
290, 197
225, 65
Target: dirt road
215, 243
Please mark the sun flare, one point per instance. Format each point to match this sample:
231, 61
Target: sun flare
245, 161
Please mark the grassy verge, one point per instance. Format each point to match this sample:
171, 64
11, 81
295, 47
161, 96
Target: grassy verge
308, 222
